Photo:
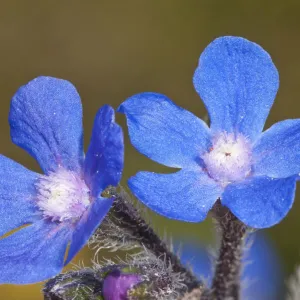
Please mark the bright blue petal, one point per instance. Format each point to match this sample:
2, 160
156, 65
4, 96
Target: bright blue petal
33, 254
263, 275
17, 193
46, 120
185, 195
260, 201
277, 152
164, 131
105, 157
196, 257
89, 222
237, 82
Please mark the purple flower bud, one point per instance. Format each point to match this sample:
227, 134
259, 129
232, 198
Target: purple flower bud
117, 284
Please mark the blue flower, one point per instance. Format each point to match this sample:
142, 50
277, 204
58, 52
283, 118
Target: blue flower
65, 204
262, 273
250, 171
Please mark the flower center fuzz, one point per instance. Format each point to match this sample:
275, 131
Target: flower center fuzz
229, 158
62, 195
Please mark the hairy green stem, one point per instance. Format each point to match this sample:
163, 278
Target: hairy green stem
128, 216
226, 281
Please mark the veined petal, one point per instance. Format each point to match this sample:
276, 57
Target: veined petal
88, 223
104, 160
185, 195
237, 82
46, 120
165, 132
17, 195
277, 152
33, 254
260, 202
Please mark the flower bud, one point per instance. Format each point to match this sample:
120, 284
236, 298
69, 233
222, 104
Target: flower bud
118, 283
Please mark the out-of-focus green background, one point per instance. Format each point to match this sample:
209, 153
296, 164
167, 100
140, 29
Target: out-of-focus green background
113, 49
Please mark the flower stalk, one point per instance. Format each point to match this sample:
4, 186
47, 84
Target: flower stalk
226, 281
128, 217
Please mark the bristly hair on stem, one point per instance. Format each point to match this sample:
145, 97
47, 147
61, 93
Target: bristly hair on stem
127, 217
125, 229
195, 294
226, 281
75, 285
157, 280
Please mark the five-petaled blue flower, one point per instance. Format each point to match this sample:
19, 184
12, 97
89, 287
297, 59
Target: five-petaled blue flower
65, 204
250, 171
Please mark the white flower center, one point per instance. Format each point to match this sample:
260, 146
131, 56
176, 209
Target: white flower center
62, 195
229, 159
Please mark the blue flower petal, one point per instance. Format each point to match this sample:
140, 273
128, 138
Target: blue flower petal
196, 257
186, 195
33, 254
237, 82
46, 120
88, 223
277, 152
263, 274
260, 202
17, 192
165, 132
105, 157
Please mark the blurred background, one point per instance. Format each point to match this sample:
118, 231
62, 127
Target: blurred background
111, 50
